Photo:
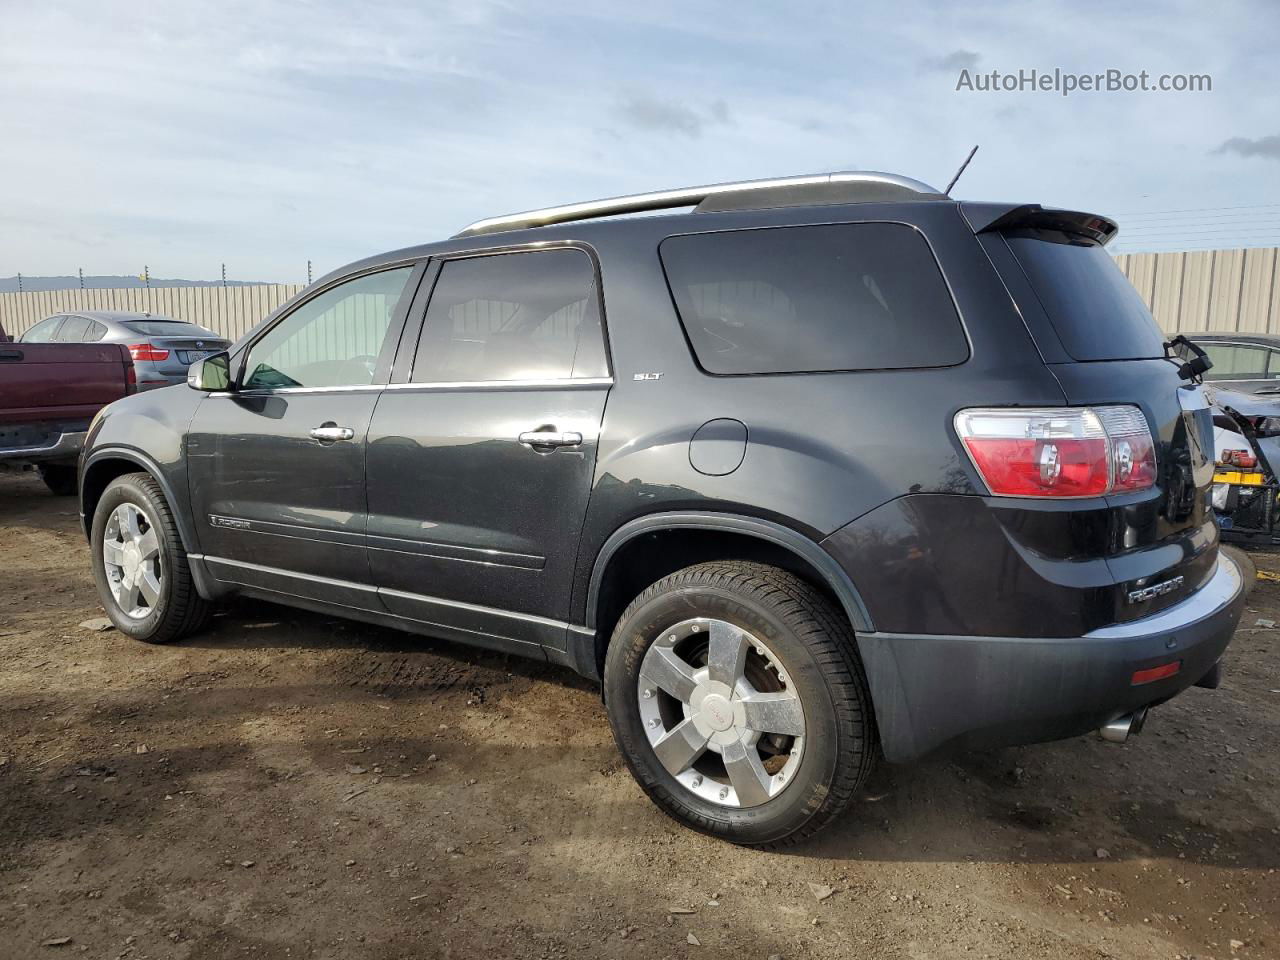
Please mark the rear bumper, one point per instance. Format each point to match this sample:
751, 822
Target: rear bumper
66, 446
933, 691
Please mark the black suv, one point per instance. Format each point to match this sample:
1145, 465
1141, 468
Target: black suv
829, 468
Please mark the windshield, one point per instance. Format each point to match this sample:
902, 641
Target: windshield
1094, 308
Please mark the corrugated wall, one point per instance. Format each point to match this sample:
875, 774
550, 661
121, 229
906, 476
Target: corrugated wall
1209, 289
230, 311
1197, 290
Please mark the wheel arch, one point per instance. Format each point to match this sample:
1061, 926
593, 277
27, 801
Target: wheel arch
105, 465
628, 557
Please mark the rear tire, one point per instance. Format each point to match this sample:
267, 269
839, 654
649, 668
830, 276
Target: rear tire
60, 478
766, 776
146, 589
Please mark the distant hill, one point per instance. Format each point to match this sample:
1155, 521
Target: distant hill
29, 284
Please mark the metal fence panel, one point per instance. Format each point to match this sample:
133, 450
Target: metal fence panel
1191, 291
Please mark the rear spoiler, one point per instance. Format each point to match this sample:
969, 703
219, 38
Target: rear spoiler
994, 217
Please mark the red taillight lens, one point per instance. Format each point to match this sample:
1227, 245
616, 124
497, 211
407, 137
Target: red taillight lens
1238, 458
1152, 674
1059, 452
130, 380
145, 351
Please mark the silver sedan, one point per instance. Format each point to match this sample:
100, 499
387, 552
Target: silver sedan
162, 348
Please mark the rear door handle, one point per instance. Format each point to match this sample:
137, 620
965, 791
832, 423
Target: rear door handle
329, 433
550, 438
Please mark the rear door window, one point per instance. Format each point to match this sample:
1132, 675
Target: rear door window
513, 316
1236, 361
1097, 313
862, 296
74, 329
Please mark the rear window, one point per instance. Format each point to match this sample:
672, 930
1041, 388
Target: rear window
1091, 304
863, 296
167, 328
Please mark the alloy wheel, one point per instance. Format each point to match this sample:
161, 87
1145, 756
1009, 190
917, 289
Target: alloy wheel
132, 561
721, 712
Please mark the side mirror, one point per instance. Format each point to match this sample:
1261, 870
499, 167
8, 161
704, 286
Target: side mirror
211, 374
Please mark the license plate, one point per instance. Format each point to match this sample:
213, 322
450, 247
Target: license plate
192, 356
1239, 479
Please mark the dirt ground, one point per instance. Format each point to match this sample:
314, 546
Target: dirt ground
290, 786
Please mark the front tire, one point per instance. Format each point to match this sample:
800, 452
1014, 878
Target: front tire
140, 566
737, 698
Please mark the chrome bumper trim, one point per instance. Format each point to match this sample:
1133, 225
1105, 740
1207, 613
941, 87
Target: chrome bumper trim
67, 444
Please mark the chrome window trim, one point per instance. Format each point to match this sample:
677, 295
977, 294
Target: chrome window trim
270, 392
567, 383
550, 382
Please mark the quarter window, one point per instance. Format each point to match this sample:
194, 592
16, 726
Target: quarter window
864, 296
332, 340
512, 316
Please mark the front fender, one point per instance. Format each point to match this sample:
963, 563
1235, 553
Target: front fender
147, 430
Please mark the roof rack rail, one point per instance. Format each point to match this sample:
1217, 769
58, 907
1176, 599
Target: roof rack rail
692, 196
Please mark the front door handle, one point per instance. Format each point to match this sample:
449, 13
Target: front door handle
330, 432
551, 438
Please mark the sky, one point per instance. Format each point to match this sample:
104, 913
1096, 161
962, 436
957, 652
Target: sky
184, 135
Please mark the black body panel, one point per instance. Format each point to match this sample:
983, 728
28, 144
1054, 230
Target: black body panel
433, 517
460, 510
267, 495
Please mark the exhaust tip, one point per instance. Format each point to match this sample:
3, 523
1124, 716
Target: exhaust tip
1122, 728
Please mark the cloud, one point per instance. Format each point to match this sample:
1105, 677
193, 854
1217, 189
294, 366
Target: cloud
182, 135
648, 113
1266, 147
956, 60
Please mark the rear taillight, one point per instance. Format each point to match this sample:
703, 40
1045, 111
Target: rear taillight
130, 379
145, 351
1061, 451
1238, 458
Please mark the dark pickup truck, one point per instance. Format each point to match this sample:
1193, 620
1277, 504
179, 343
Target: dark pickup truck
49, 392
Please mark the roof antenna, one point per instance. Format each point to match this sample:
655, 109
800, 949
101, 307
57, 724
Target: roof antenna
947, 192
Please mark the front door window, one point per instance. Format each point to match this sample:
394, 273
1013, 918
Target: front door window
332, 340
